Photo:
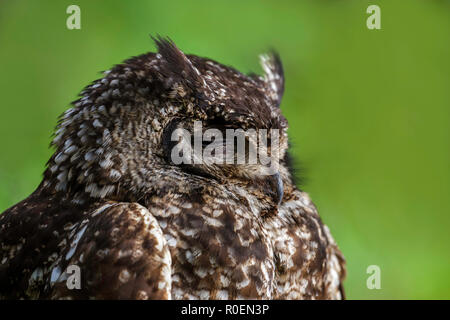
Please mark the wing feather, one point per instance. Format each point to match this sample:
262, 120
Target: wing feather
122, 254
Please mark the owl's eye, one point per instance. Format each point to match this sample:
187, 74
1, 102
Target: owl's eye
222, 126
213, 143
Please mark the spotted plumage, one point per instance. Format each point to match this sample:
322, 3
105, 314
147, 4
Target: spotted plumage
140, 227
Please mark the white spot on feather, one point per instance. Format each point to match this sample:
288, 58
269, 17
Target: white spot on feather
56, 272
222, 295
74, 243
36, 276
124, 276
97, 124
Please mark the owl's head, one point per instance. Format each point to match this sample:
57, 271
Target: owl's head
125, 136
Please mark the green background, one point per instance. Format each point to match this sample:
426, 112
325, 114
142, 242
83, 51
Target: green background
368, 109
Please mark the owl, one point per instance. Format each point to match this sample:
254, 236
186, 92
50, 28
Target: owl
115, 206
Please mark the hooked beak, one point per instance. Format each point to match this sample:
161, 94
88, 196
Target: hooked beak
278, 186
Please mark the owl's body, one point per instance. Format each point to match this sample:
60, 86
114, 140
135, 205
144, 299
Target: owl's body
139, 226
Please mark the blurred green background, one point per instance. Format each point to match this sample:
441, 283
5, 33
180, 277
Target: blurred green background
368, 109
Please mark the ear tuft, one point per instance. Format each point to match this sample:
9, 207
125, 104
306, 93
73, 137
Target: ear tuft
273, 75
178, 64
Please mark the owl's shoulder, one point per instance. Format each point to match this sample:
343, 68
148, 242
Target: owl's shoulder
122, 253
119, 249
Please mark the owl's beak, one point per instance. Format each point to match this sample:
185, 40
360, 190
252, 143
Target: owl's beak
278, 183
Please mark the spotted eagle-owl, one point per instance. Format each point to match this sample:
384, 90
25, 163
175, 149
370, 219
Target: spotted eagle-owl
139, 226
